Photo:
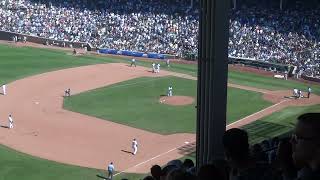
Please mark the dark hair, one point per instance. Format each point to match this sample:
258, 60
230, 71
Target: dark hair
235, 142
312, 119
156, 171
210, 171
188, 163
148, 178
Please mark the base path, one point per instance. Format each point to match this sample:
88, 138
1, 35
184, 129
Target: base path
44, 129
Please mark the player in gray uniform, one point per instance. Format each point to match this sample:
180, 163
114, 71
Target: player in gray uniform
110, 170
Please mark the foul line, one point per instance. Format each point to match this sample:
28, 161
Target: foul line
257, 112
149, 159
159, 155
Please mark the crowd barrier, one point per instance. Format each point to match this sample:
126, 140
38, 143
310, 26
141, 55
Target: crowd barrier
132, 53
8, 36
260, 64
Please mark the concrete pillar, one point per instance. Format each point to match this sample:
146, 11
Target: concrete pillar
212, 80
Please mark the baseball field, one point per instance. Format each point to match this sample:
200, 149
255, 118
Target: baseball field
57, 137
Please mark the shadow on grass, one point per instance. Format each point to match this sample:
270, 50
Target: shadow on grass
261, 130
102, 177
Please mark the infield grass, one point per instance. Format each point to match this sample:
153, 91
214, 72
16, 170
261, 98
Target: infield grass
136, 103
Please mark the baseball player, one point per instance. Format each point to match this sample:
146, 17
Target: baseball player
133, 62
295, 93
286, 75
134, 146
67, 92
169, 91
309, 92
10, 121
168, 62
153, 67
110, 170
300, 93
4, 89
158, 68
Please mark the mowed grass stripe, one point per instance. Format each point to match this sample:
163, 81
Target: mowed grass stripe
277, 124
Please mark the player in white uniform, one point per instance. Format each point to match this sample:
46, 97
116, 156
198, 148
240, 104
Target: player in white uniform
67, 93
10, 121
4, 89
153, 67
168, 62
169, 91
158, 68
295, 92
309, 92
300, 94
134, 146
133, 62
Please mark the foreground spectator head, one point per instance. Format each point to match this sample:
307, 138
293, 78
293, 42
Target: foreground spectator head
284, 159
148, 178
236, 145
187, 163
166, 170
175, 162
306, 141
210, 171
179, 174
156, 171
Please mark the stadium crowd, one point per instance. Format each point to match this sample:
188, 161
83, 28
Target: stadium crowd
286, 158
283, 36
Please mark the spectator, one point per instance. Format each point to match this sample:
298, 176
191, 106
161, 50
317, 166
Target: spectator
236, 146
285, 161
306, 146
208, 172
156, 172
148, 178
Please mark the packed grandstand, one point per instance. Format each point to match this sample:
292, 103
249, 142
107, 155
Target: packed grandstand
289, 36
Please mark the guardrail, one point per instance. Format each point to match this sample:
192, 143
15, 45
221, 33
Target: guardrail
8, 36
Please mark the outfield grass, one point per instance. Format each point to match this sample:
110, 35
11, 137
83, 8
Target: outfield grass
15, 165
135, 103
253, 80
277, 124
16, 63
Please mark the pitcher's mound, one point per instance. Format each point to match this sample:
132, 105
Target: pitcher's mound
176, 100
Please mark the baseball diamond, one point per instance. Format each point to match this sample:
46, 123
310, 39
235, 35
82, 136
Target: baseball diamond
88, 141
